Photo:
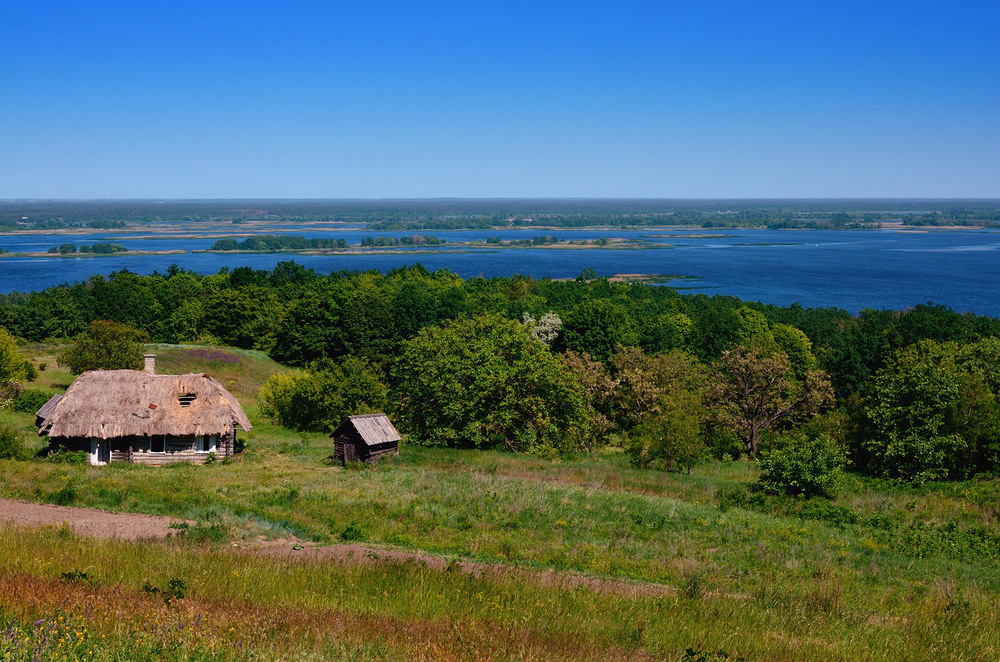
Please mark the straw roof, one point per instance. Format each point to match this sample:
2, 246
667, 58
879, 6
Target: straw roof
106, 404
374, 429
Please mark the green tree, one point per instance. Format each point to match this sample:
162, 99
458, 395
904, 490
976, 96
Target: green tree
754, 390
486, 383
12, 364
318, 399
932, 412
597, 327
671, 436
105, 346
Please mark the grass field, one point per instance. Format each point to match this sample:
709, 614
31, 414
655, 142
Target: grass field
881, 572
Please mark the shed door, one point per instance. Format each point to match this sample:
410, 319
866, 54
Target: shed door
350, 452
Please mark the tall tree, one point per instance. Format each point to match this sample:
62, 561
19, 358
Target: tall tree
754, 390
105, 346
486, 383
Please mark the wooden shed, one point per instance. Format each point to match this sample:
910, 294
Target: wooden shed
141, 417
367, 437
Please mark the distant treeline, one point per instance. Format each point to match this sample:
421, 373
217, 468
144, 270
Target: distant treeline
413, 240
99, 248
503, 213
11, 224
276, 243
297, 243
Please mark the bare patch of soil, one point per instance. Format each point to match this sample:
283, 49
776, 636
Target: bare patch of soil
86, 521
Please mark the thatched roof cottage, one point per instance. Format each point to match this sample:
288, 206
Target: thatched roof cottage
139, 416
366, 437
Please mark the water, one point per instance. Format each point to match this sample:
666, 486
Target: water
848, 269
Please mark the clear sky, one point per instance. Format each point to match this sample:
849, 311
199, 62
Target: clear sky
368, 99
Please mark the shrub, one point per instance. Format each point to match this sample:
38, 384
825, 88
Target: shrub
11, 444
486, 383
317, 400
670, 438
353, 532
735, 497
64, 496
29, 400
63, 456
799, 464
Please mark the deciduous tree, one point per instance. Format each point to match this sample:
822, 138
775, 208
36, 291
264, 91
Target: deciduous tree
105, 346
753, 390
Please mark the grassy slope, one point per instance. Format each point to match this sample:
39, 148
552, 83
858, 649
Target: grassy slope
766, 586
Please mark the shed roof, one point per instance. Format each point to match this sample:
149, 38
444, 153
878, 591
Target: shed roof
107, 404
45, 410
374, 429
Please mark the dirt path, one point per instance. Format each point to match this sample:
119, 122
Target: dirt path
86, 521
133, 526
368, 554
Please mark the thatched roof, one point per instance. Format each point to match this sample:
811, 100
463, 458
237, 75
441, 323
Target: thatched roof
374, 429
106, 404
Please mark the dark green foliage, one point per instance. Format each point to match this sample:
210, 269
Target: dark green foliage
701, 655
800, 464
735, 497
175, 589
63, 456
64, 496
302, 317
11, 444
352, 532
486, 383
105, 346
30, 400
320, 398
671, 437
597, 327
933, 412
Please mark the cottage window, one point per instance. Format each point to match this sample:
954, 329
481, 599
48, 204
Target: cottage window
157, 444
205, 443
185, 399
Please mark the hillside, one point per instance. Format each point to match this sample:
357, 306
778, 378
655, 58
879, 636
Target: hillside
881, 572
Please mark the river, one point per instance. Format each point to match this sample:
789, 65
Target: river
848, 269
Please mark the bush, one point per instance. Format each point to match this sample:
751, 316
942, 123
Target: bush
29, 400
317, 400
11, 444
799, 464
670, 438
63, 456
734, 497
64, 496
353, 532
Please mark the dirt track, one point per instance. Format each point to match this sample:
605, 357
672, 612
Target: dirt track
86, 521
134, 526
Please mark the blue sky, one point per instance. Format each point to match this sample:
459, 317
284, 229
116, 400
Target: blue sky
514, 99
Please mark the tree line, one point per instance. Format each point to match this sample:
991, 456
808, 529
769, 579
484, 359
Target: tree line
551, 367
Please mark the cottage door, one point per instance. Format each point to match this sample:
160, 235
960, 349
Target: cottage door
350, 453
100, 452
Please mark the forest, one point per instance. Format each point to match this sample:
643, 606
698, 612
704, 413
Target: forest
552, 368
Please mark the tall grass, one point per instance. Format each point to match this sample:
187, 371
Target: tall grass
293, 608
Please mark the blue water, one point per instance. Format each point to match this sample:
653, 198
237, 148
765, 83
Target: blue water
848, 269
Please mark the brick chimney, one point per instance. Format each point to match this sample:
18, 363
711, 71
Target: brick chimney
149, 363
